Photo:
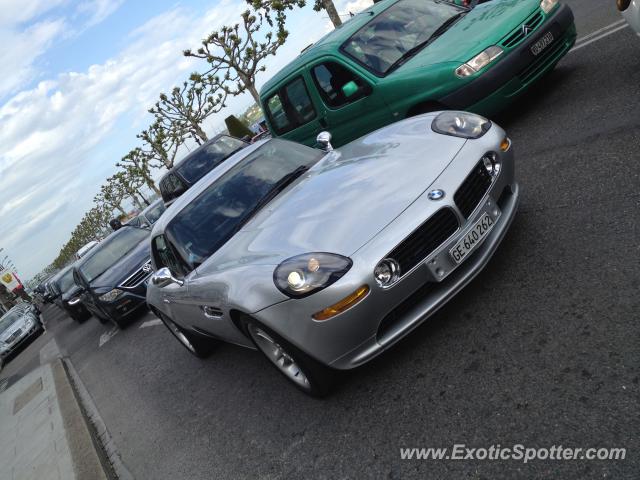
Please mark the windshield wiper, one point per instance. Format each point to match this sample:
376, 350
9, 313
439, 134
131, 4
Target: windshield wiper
438, 31
277, 187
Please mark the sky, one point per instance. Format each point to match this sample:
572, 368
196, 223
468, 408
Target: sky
76, 81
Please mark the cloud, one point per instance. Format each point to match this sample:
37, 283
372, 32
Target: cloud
16, 12
57, 140
98, 10
21, 49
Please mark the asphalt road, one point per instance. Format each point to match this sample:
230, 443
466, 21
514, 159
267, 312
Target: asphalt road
542, 349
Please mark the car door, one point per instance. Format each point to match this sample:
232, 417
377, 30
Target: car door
292, 112
195, 304
351, 107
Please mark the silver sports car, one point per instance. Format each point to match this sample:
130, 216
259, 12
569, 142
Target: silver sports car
324, 259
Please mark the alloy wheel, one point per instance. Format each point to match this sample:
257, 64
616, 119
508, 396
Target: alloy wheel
279, 357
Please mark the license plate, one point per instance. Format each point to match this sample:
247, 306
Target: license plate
472, 238
543, 43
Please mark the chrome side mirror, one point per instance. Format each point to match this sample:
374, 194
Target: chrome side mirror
324, 139
164, 277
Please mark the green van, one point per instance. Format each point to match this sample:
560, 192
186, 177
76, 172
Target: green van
405, 57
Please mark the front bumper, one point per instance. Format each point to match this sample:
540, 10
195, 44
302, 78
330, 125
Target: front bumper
127, 303
493, 89
364, 331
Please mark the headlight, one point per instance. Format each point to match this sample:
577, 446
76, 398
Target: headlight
478, 62
460, 124
110, 296
547, 5
303, 275
76, 300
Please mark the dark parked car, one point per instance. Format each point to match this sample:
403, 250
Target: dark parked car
113, 275
196, 165
68, 295
149, 215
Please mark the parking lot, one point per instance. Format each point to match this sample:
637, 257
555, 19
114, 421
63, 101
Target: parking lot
541, 349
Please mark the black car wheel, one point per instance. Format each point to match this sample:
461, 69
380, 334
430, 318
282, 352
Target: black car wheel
197, 345
307, 374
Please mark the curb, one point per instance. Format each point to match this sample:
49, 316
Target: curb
103, 443
85, 457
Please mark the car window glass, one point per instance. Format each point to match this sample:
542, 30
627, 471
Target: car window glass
111, 250
291, 107
165, 257
153, 214
300, 102
66, 281
278, 115
171, 187
208, 222
330, 77
392, 33
207, 157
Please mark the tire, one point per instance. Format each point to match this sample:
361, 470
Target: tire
195, 344
305, 373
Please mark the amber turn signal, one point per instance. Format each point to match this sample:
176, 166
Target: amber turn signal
344, 304
505, 144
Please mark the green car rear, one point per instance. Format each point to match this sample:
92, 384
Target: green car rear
405, 57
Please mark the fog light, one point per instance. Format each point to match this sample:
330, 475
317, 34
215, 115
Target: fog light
491, 164
387, 272
343, 304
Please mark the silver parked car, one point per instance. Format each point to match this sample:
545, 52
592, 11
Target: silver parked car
322, 260
17, 326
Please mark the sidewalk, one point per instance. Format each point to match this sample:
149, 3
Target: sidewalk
43, 435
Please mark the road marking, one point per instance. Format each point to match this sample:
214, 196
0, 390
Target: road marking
600, 30
151, 323
599, 37
106, 336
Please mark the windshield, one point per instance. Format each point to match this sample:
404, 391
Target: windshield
217, 213
385, 39
205, 159
153, 214
111, 251
9, 319
66, 281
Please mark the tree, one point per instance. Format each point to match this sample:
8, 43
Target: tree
137, 163
278, 7
162, 142
186, 107
130, 185
111, 195
237, 56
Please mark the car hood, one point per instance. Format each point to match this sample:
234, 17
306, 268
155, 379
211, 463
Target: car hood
482, 27
349, 196
124, 268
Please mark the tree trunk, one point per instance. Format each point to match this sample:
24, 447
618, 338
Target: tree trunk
252, 90
150, 183
143, 198
198, 131
136, 201
119, 208
333, 13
